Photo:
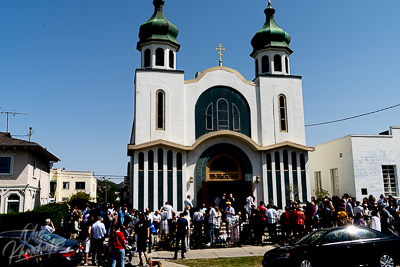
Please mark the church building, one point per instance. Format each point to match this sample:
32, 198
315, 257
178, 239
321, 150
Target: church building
217, 133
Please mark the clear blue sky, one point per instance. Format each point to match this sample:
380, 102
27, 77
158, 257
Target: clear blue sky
70, 65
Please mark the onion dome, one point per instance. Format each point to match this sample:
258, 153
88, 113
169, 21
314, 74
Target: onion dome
158, 28
270, 35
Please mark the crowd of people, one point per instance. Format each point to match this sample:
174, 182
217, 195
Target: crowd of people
219, 222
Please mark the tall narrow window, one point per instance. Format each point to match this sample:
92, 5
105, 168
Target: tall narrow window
150, 161
257, 67
141, 181
287, 65
318, 182
335, 182
179, 180
282, 113
269, 177
277, 63
209, 117
160, 109
236, 118
160, 57
160, 161
222, 114
170, 177
286, 175
389, 180
171, 59
265, 64
295, 177
303, 176
147, 56
278, 180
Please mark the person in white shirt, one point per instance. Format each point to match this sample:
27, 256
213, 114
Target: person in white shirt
229, 211
98, 232
375, 221
211, 224
248, 205
169, 209
48, 226
198, 219
271, 214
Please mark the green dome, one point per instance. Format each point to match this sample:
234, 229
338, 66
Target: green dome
158, 28
270, 35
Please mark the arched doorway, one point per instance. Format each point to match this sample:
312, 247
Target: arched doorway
223, 168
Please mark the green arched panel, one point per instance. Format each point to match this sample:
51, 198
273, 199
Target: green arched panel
212, 95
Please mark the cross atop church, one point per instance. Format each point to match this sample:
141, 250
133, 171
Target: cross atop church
220, 49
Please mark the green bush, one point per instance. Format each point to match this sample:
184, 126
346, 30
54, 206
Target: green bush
34, 219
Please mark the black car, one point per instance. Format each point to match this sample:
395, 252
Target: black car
15, 252
46, 248
342, 246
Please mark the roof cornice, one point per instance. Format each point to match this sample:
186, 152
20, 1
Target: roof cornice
211, 135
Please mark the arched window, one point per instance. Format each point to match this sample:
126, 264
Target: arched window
141, 161
179, 180
277, 162
170, 191
277, 63
282, 113
147, 56
285, 160
13, 203
257, 67
278, 180
295, 176
224, 167
160, 110
222, 114
171, 59
160, 178
269, 177
141, 181
303, 176
265, 64
151, 160
209, 117
287, 65
150, 167
236, 118
160, 57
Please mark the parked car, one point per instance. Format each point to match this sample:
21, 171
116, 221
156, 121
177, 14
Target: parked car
342, 246
15, 252
49, 249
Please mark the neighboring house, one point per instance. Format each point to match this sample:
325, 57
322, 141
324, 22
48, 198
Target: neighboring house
66, 183
219, 132
359, 165
24, 174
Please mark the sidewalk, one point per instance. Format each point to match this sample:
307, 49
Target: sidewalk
166, 256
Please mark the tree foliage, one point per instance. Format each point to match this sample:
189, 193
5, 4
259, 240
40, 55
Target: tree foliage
79, 199
106, 185
320, 194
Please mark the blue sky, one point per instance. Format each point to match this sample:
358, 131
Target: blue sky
70, 66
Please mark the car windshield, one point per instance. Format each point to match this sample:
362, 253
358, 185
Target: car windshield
53, 239
311, 237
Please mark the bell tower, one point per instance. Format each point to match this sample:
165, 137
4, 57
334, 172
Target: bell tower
157, 41
271, 47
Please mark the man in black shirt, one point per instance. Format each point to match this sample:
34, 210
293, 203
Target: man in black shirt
143, 235
181, 230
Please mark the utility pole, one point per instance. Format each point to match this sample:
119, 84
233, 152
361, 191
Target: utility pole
12, 113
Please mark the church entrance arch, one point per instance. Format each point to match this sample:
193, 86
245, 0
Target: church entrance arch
223, 168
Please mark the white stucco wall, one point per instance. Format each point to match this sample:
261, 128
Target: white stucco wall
326, 157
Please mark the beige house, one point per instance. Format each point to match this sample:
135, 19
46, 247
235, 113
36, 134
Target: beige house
24, 174
66, 183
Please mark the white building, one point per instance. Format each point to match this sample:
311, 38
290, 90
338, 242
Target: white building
24, 174
218, 132
359, 165
64, 184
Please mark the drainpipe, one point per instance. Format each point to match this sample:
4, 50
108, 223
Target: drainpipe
23, 210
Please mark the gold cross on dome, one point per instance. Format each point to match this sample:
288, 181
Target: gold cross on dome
220, 49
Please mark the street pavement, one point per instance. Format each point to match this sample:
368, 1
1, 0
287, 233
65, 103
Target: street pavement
165, 257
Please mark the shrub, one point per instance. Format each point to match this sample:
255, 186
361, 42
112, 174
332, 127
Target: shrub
35, 219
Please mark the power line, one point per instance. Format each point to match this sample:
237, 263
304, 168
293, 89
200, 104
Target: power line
353, 117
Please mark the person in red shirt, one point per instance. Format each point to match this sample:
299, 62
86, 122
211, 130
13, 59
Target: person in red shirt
298, 216
285, 223
117, 243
